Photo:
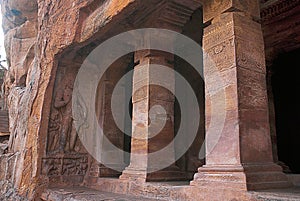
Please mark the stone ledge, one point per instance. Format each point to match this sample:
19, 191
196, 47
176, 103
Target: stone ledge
294, 179
184, 191
277, 195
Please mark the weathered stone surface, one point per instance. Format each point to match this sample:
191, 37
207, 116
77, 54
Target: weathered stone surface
29, 100
20, 37
78, 194
18, 12
183, 191
9, 193
4, 131
7, 190
16, 142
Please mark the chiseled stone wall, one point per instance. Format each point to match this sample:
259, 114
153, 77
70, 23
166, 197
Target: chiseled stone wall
36, 33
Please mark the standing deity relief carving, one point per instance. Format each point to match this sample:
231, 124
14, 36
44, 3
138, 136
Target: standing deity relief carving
62, 135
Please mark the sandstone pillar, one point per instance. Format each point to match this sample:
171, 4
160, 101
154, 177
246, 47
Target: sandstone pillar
150, 100
114, 161
239, 155
111, 131
152, 106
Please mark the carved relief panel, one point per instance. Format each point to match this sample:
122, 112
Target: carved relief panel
65, 155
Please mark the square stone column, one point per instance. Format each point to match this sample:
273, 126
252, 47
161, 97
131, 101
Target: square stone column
111, 131
153, 120
152, 145
114, 161
238, 144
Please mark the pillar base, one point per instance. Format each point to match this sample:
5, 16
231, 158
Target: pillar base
172, 173
241, 177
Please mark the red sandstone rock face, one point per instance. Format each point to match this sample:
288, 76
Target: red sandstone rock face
20, 28
32, 62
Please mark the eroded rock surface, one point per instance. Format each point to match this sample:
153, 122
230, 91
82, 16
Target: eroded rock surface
35, 33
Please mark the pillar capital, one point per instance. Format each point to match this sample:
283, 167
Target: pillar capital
214, 8
154, 57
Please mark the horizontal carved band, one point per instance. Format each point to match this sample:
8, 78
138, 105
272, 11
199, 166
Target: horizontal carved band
278, 8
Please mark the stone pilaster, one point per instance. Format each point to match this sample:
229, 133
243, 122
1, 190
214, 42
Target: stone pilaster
239, 153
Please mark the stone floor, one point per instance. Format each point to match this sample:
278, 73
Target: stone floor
291, 194
86, 194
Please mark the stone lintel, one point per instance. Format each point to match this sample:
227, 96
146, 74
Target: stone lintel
173, 14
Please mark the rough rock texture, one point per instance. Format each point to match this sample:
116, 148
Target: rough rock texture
2, 73
32, 61
4, 131
9, 193
20, 28
7, 177
4, 123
